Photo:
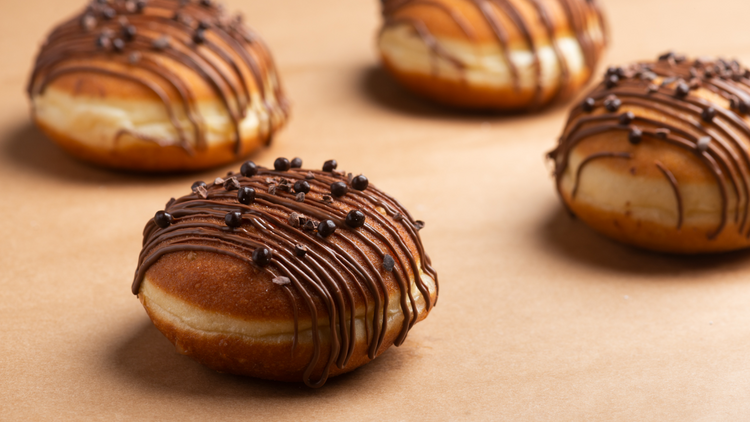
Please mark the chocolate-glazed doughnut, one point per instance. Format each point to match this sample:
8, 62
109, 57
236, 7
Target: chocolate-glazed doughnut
267, 274
492, 54
658, 155
156, 85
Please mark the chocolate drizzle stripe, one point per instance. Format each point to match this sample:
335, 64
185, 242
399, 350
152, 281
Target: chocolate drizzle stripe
589, 159
332, 272
675, 187
576, 13
168, 28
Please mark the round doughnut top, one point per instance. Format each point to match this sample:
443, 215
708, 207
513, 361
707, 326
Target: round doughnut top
691, 116
332, 242
511, 24
178, 52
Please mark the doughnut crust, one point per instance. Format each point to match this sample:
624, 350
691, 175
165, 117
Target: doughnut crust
658, 156
322, 304
499, 55
158, 85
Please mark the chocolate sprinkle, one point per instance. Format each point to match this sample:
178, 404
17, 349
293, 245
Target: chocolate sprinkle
355, 219
588, 105
197, 184
233, 219
281, 164
246, 195
300, 250
702, 144
626, 118
682, 89
330, 165
339, 189
360, 182
262, 256
388, 263
281, 281
296, 163
231, 184
163, 219
708, 114
301, 186
326, 228
612, 104
249, 169
635, 136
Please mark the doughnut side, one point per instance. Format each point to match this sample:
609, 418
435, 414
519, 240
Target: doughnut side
657, 157
478, 54
256, 335
485, 81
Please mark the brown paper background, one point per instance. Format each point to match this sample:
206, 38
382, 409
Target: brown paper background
539, 318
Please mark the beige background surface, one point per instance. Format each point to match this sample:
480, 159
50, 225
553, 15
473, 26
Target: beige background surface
539, 318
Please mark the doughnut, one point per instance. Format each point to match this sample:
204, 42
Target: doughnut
504, 55
658, 155
285, 274
156, 85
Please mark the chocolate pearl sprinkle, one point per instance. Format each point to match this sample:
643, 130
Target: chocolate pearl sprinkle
233, 219
163, 219
102, 41
109, 13
682, 90
355, 219
262, 256
635, 136
326, 228
360, 182
588, 105
129, 32
708, 114
199, 36
301, 186
612, 81
246, 195
118, 45
296, 163
626, 118
281, 164
196, 184
612, 104
249, 169
330, 165
339, 189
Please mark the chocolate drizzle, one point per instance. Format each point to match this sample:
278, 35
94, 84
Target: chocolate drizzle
317, 268
229, 57
577, 13
716, 135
